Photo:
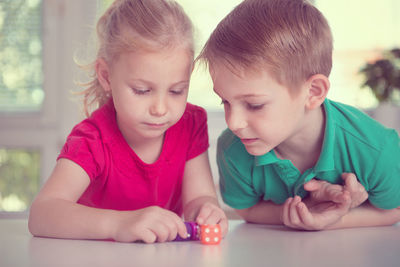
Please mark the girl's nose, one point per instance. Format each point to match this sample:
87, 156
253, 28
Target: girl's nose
158, 107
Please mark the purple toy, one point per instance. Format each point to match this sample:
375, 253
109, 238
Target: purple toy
193, 232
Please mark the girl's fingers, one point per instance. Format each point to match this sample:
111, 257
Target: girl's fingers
148, 236
204, 213
224, 226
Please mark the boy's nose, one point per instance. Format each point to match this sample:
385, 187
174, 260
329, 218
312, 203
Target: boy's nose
158, 107
235, 120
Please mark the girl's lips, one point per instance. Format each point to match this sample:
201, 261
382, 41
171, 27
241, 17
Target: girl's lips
248, 141
156, 125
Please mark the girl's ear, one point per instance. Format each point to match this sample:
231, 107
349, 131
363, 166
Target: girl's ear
102, 72
318, 87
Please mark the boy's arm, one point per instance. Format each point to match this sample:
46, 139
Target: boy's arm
328, 207
307, 214
264, 212
367, 215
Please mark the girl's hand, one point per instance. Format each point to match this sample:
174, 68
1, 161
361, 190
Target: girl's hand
210, 213
151, 224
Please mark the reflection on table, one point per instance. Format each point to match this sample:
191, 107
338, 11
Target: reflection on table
245, 245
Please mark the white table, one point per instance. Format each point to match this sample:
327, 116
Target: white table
245, 245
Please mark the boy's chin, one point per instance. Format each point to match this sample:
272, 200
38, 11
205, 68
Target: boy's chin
257, 151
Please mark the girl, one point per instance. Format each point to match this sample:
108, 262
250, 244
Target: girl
130, 170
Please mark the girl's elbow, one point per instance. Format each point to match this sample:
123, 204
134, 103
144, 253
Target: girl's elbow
243, 213
34, 220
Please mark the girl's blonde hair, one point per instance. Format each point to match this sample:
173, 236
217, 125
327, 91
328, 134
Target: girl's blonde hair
132, 25
289, 38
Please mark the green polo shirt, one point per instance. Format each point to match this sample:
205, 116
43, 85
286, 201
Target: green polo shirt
353, 142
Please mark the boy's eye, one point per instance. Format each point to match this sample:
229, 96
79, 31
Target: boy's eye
140, 91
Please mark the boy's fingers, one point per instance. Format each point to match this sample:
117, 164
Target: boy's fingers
285, 211
312, 185
336, 194
293, 215
305, 215
345, 204
350, 181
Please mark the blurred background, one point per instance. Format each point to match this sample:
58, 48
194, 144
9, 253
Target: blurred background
41, 40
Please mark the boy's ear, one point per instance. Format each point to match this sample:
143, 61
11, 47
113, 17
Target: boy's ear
102, 72
318, 88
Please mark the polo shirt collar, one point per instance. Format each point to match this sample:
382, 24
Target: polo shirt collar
266, 159
325, 161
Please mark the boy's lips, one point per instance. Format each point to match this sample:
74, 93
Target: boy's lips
248, 141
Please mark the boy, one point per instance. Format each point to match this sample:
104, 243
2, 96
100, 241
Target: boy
270, 61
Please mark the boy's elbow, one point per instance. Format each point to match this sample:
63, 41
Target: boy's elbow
397, 214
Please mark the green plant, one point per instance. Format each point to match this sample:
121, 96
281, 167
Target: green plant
383, 76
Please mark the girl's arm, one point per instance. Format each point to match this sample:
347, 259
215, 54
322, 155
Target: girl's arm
55, 213
200, 202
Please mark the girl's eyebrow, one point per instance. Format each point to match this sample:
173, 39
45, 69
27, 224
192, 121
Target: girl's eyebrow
146, 82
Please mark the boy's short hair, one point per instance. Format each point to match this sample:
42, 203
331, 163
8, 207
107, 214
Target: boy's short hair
290, 38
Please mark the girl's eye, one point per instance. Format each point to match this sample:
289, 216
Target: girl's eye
255, 106
140, 91
176, 92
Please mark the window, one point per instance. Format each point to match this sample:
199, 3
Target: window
361, 30
21, 96
20, 56
38, 41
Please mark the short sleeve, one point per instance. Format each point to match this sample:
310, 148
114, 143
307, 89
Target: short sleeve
235, 176
198, 142
384, 182
85, 148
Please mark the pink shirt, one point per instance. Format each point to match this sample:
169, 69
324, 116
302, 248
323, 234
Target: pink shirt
120, 180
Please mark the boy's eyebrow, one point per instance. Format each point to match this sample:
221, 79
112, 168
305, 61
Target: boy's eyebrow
243, 96
249, 95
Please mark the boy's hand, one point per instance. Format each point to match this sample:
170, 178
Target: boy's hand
326, 204
314, 216
151, 224
210, 213
357, 191
322, 191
